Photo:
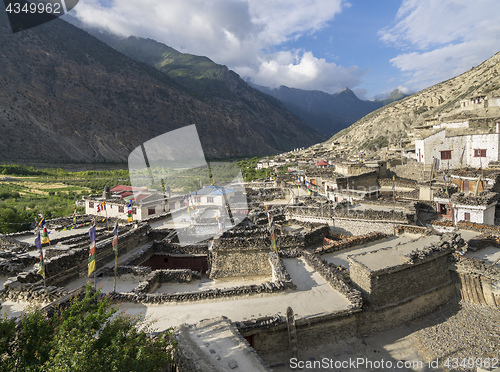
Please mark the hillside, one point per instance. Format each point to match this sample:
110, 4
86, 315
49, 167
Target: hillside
328, 113
67, 97
385, 125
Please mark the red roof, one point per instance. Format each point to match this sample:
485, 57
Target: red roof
141, 196
322, 163
118, 189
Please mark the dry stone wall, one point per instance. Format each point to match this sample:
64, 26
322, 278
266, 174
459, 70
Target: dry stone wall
476, 280
348, 241
74, 262
425, 270
337, 277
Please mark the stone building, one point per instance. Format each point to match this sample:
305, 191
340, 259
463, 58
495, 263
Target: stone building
113, 203
452, 149
478, 209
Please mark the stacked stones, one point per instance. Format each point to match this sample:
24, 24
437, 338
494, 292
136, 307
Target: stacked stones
165, 276
473, 265
484, 198
279, 270
268, 287
350, 241
264, 322
479, 227
266, 194
7, 242
482, 241
448, 242
336, 277
30, 293
12, 263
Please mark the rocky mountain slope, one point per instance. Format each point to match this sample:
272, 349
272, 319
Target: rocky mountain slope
67, 97
385, 125
328, 113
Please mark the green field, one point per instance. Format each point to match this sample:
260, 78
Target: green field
26, 191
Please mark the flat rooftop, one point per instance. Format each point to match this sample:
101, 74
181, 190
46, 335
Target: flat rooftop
393, 255
313, 296
215, 345
341, 257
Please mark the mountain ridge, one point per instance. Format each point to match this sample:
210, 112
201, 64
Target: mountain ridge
67, 97
442, 99
328, 113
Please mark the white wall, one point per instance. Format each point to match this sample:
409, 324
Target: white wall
430, 147
483, 141
478, 214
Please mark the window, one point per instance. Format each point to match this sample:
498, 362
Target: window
443, 209
134, 210
446, 155
151, 211
479, 153
210, 199
121, 209
91, 204
467, 216
165, 259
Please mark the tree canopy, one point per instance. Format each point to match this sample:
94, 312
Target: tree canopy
88, 335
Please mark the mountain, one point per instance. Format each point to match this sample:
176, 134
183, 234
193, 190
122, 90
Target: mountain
442, 101
65, 96
328, 113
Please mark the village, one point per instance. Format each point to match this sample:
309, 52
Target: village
328, 257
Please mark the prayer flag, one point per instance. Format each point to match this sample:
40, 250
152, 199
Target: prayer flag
114, 243
129, 211
38, 245
91, 260
45, 236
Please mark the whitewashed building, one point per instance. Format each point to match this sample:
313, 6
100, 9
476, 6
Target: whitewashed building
113, 204
478, 209
458, 150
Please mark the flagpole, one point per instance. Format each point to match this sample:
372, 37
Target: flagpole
115, 248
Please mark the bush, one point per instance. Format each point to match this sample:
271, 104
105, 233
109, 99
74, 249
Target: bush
90, 335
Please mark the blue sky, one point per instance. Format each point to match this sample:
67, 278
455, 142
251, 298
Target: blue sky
369, 46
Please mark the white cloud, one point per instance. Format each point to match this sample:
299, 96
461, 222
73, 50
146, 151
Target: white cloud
245, 35
304, 71
442, 38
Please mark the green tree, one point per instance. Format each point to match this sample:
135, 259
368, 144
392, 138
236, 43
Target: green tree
7, 336
89, 335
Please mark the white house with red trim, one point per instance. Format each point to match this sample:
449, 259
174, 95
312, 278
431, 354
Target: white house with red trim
455, 150
145, 204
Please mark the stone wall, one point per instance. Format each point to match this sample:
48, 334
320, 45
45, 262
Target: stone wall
347, 242
425, 270
476, 280
337, 277
360, 227
237, 263
10, 242
31, 293
157, 277
167, 249
156, 298
74, 262
12, 263
342, 212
